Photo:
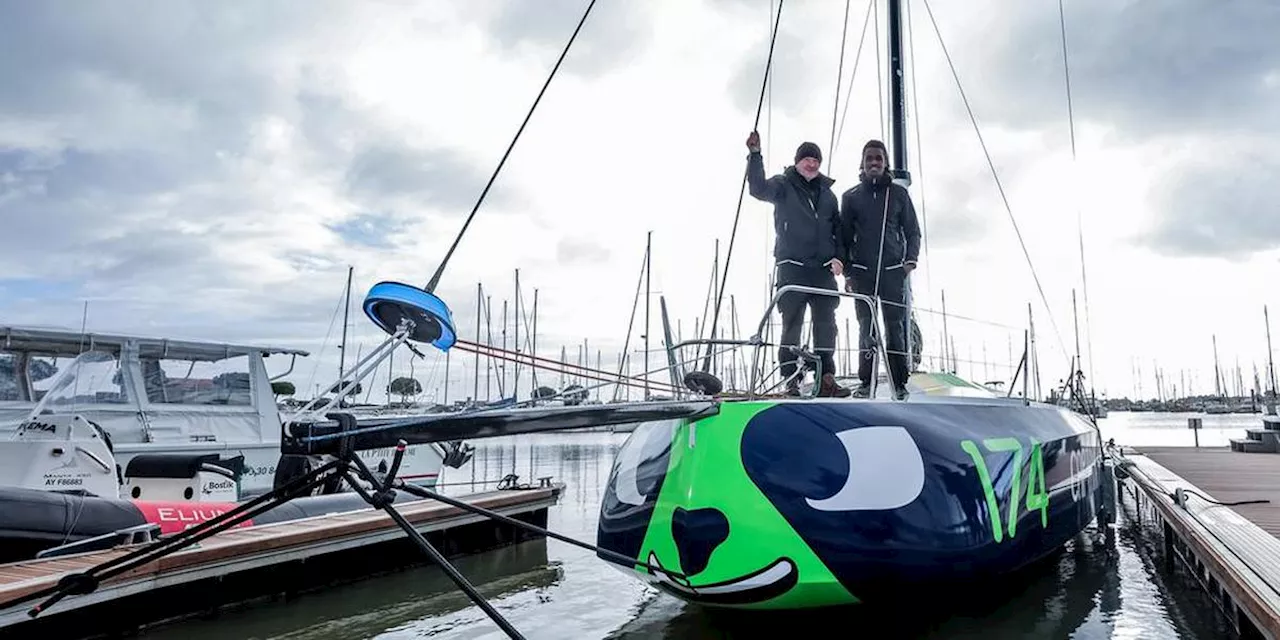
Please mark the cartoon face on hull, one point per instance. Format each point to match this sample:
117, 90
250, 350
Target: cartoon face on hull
805, 504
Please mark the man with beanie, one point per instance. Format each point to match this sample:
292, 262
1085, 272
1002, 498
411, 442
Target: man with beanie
881, 237
807, 251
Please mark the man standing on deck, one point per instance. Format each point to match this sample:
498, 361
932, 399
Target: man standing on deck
808, 251
881, 237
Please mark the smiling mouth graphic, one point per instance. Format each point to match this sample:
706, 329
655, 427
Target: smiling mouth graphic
770, 582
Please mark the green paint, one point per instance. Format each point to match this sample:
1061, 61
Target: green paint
706, 470
1037, 496
985, 477
1010, 444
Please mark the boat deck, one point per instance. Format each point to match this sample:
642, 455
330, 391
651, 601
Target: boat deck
1228, 476
268, 549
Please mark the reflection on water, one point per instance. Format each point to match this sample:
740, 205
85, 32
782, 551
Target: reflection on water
1103, 585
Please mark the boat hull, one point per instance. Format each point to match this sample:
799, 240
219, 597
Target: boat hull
32, 520
811, 503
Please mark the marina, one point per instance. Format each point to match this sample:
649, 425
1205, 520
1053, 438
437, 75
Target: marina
771, 477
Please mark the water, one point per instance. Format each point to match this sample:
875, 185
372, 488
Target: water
548, 589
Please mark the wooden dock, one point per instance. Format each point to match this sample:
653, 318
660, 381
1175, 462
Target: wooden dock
240, 565
1232, 550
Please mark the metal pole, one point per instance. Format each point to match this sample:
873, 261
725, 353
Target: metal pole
1271, 367
897, 95
648, 264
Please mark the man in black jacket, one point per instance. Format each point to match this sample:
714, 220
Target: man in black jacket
807, 251
882, 242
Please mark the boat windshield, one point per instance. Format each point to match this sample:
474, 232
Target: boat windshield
93, 378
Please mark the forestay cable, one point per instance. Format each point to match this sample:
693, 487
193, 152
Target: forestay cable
1071, 123
733, 235
435, 278
999, 187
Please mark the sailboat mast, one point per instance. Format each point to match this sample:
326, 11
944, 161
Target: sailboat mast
342, 351
1217, 378
897, 95
475, 395
648, 265
515, 377
1271, 367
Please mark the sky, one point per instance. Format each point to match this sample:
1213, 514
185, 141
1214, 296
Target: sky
211, 170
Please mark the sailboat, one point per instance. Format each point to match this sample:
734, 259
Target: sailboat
746, 500
798, 503
761, 502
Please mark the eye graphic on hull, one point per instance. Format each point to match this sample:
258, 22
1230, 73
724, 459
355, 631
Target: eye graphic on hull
632, 491
885, 471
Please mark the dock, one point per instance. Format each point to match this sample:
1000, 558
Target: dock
1232, 550
266, 561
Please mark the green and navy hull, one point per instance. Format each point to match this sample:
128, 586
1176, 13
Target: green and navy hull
823, 502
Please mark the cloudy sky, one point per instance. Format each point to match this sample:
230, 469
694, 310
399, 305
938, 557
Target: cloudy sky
210, 170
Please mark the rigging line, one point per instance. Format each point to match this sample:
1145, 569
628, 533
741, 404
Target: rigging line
435, 278
999, 187
857, 56
626, 344
742, 191
835, 110
1071, 123
915, 108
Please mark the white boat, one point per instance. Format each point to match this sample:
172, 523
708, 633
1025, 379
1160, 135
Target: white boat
152, 396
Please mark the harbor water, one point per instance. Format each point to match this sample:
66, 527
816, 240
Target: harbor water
1107, 584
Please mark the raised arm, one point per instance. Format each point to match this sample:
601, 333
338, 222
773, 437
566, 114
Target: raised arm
760, 187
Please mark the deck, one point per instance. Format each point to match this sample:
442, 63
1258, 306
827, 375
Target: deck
250, 554
1232, 550
1228, 476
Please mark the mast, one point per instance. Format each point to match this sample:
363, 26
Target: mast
648, 264
475, 397
342, 351
515, 377
897, 96
1271, 367
1217, 373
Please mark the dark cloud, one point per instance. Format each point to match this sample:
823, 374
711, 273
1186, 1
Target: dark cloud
1208, 208
1143, 67
612, 34
385, 176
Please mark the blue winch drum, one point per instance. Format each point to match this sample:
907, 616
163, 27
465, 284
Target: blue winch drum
389, 302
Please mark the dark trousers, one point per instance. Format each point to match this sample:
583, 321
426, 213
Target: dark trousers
893, 304
822, 311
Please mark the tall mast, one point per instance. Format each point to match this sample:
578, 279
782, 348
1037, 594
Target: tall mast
1218, 387
475, 397
897, 95
515, 376
342, 351
648, 263
1271, 367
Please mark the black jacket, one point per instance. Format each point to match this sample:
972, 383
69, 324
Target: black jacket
806, 215
863, 216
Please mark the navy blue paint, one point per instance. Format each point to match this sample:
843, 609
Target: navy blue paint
697, 533
622, 525
791, 452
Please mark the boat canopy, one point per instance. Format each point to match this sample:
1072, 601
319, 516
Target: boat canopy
142, 389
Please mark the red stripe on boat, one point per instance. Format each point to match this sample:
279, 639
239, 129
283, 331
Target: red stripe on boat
177, 516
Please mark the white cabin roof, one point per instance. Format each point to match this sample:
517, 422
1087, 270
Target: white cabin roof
68, 342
